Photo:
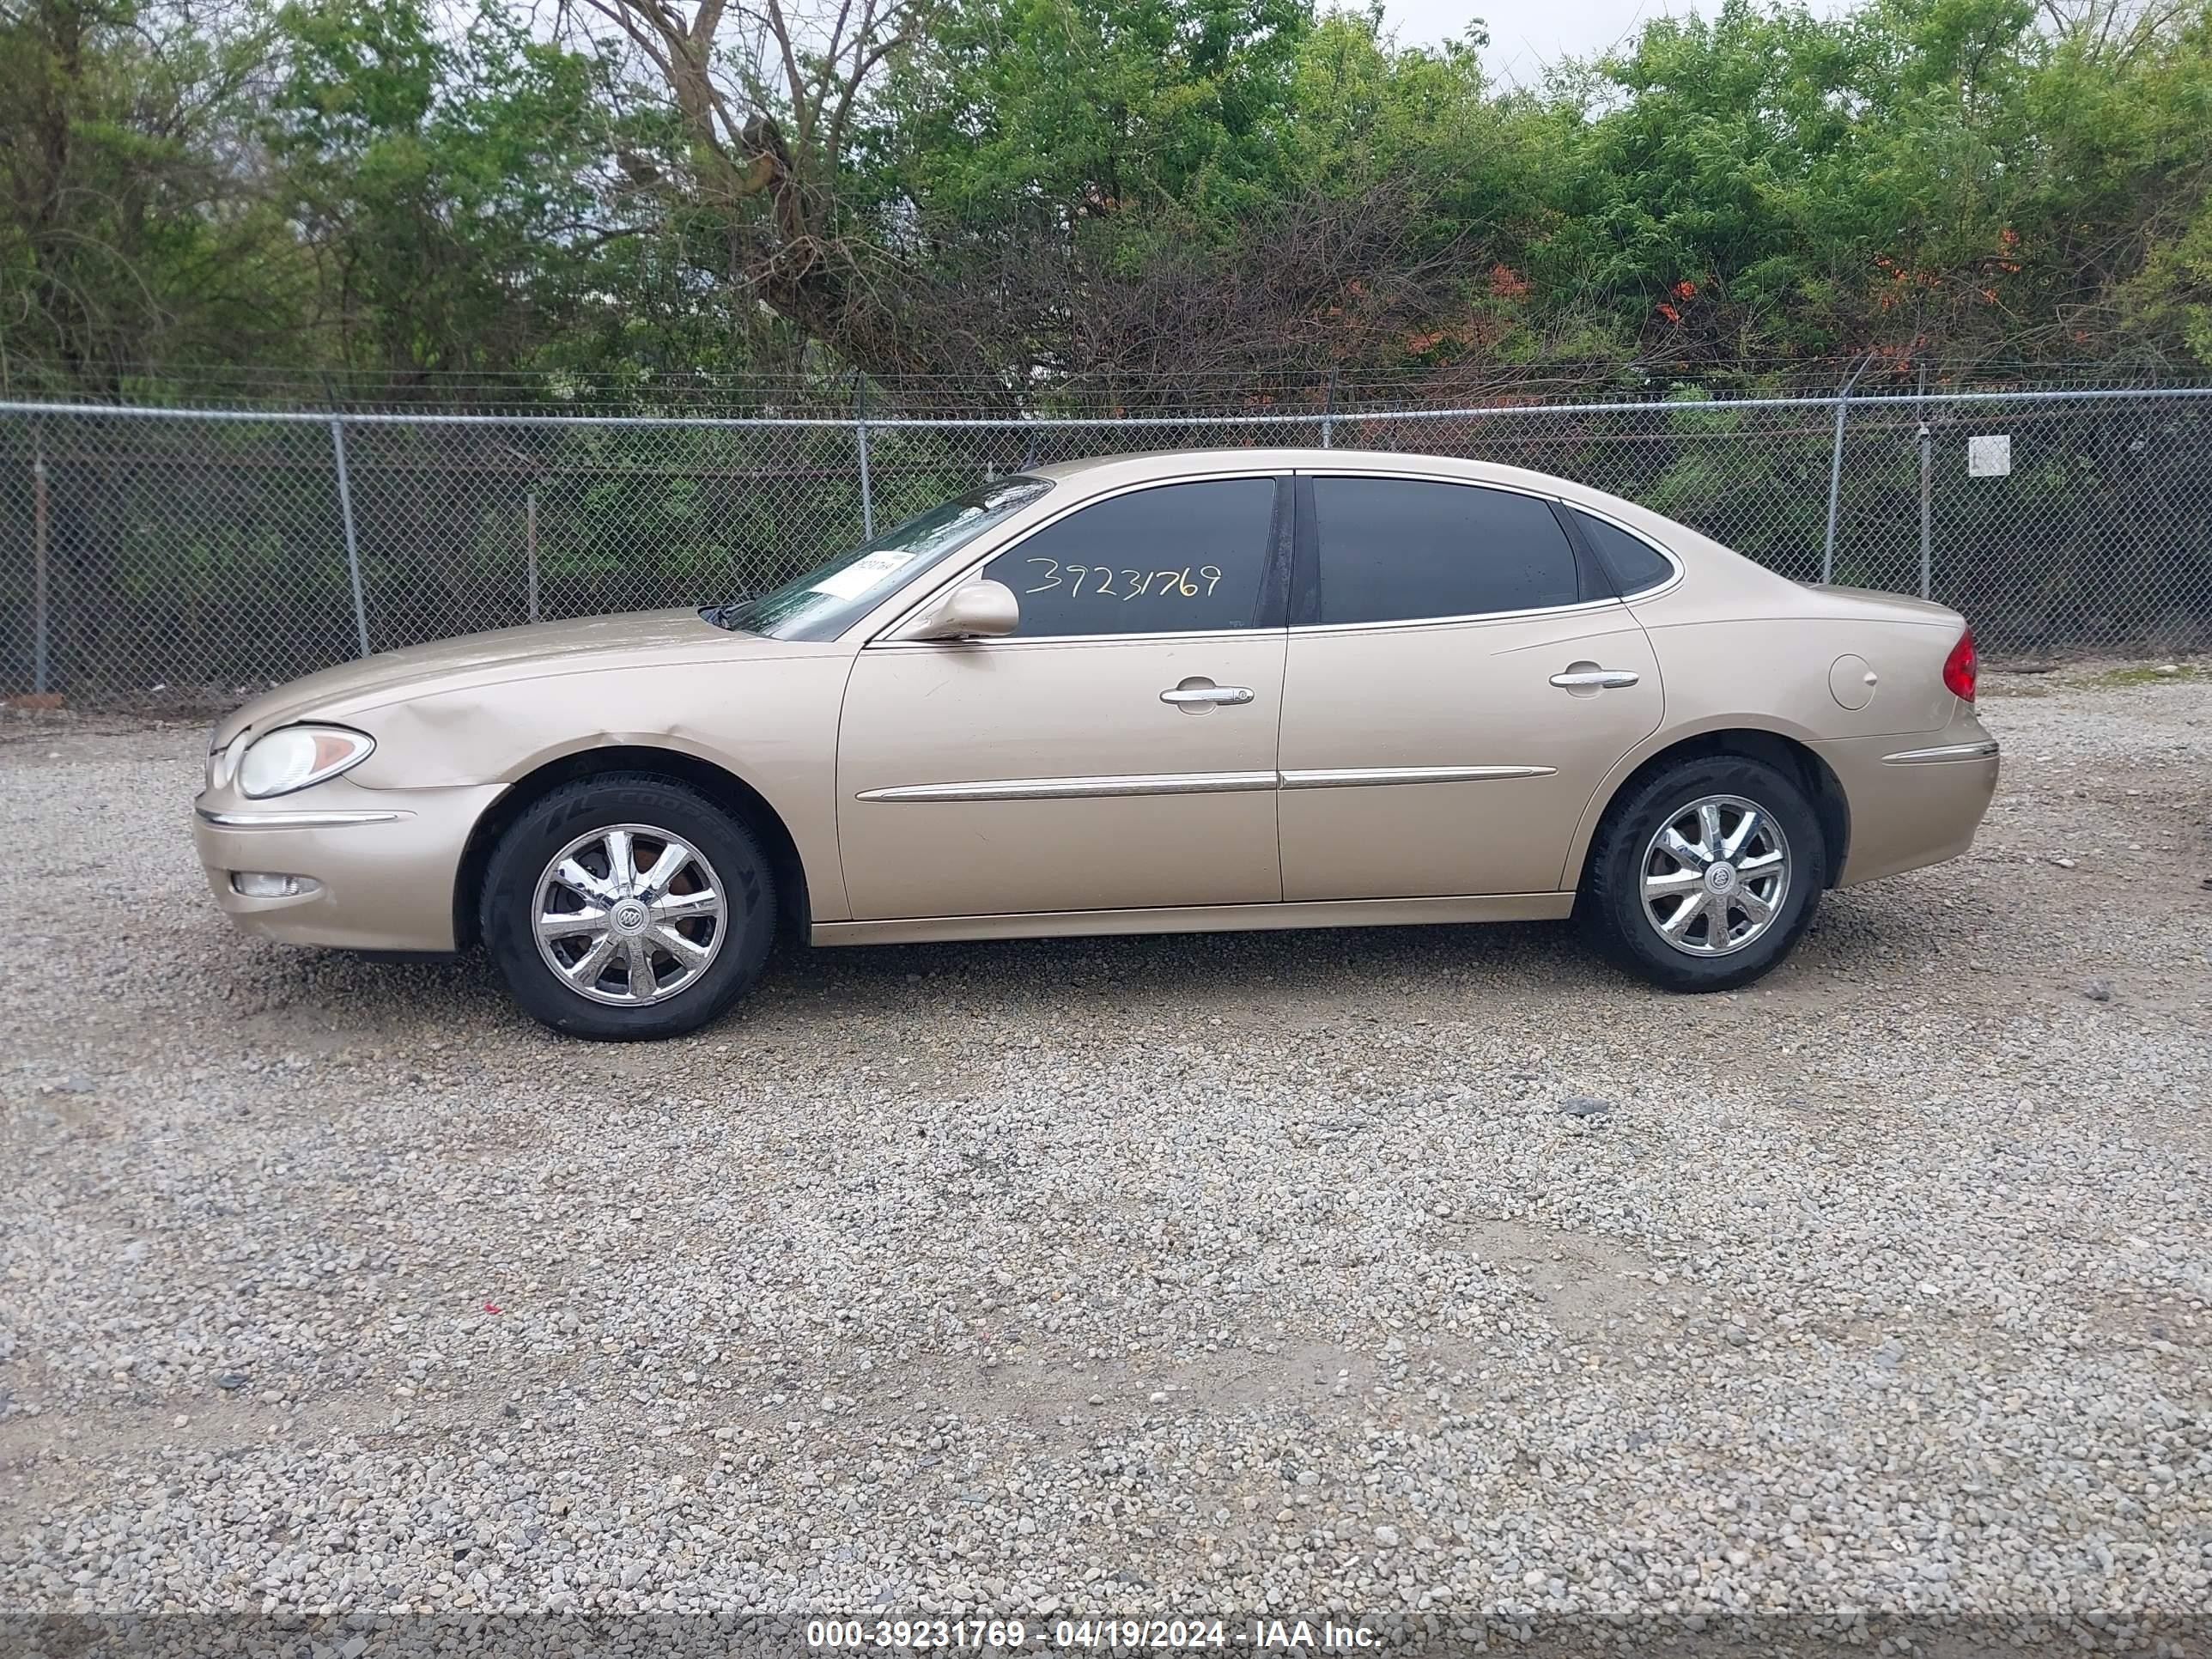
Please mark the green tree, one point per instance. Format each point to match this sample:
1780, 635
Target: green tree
1086, 111
128, 236
1098, 194
450, 191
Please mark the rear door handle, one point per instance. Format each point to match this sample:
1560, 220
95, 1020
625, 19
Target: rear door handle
1575, 679
1189, 694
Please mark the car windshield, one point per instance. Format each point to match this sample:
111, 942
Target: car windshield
828, 598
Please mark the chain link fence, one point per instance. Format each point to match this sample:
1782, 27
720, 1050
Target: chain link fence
194, 555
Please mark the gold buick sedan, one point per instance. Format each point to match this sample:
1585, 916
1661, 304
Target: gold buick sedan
1148, 694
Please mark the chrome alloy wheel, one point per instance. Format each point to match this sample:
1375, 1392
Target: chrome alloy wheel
629, 914
1715, 875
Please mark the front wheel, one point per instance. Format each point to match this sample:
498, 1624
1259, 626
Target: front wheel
627, 907
1705, 876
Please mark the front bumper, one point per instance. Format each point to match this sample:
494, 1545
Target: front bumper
384, 861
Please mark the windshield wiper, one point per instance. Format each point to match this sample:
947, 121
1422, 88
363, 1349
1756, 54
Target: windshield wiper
727, 614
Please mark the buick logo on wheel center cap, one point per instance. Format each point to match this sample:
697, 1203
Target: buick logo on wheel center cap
1721, 878
629, 917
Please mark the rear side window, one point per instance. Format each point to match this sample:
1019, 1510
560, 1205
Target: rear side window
1632, 562
1399, 550
1180, 556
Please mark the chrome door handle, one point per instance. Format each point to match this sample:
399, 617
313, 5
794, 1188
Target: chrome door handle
1188, 694
1611, 678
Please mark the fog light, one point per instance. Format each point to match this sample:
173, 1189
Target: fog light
256, 884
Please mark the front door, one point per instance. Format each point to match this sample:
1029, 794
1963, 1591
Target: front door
1457, 691
1116, 751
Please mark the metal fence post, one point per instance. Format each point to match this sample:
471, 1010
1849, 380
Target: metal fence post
860, 435
530, 540
1328, 413
1927, 457
1836, 467
353, 547
38, 578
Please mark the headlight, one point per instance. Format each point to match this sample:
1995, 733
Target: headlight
298, 756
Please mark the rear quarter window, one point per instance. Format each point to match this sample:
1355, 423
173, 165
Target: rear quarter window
1632, 562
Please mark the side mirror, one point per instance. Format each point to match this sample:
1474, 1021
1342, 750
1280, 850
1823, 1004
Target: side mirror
974, 611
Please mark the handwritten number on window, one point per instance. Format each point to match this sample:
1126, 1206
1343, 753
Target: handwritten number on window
1139, 584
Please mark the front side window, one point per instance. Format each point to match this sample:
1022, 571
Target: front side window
1165, 559
830, 598
1400, 549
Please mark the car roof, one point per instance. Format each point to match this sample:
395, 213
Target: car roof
1107, 471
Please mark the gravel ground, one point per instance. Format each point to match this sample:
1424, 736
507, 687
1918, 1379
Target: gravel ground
1285, 1271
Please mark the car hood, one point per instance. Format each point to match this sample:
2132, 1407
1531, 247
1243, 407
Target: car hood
508, 654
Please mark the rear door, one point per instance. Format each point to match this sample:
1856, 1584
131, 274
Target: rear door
1460, 678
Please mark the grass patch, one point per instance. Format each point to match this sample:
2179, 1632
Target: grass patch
2187, 673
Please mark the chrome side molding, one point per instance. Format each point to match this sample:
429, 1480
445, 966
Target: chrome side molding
1196, 783
1355, 776
296, 820
1984, 750
1161, 783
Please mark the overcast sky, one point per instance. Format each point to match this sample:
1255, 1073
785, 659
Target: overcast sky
1525, 35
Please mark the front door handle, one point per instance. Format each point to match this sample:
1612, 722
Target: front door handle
1182, 695
1577, 679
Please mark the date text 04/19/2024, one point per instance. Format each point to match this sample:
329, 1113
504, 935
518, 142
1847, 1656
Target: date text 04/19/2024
1158, 1635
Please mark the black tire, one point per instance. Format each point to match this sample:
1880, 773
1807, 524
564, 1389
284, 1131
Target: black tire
1611, 909
740, 870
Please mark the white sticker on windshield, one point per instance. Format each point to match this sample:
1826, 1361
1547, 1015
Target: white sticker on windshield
863, 573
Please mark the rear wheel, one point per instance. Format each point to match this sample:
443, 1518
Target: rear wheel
627, 907
1706, 875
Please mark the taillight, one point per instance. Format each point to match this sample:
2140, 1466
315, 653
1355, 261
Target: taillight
1958, 667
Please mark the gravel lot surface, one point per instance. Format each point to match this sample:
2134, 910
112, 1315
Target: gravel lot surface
1387, 1270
